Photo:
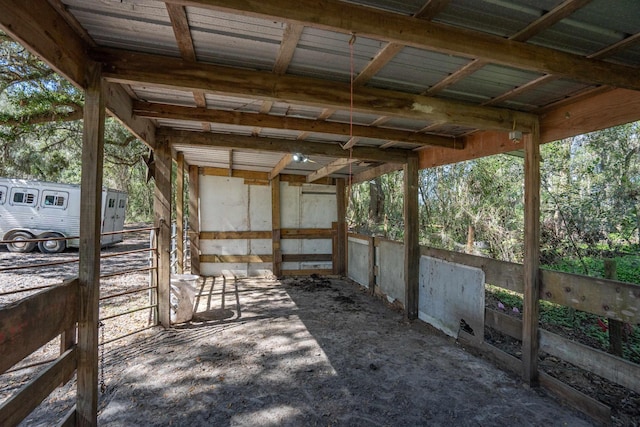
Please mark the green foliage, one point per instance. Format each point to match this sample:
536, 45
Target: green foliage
41, 131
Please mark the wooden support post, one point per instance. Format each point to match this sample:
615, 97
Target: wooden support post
411, 238
275, 226
180, 213
89, 263
530, 339
162, 212
372, 266
194, 219
615, 326
340, 253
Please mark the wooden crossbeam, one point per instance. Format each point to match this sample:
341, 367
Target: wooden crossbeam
189, 138
282, 164
161, 71
332, 167
290, 38
154, 110
392, 27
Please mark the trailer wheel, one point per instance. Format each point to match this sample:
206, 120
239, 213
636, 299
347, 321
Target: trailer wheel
18, 245
51, 246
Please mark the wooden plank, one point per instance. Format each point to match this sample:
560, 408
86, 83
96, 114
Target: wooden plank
375, 172
381, 59
260, 177
37, 26
615, 326
194, 219
333, 167
340, 253
500, 358
479, 144
602, 297
18, 406
607, 366
504, 323
281, 165
276, 249
247, 234
307, 233
308, 272
613, 368
180, 213
531, 271
600, 111
411, 239
69, 419
576, 399
162, 220
550, 18
213, 258
160, 71
258, 143
30, 323
365, 21
290, 37
464, 71
503, 274
167, 111
181, 31
89, 263
306, 257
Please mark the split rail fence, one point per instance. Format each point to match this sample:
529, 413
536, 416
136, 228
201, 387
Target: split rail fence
30, 323
376, 263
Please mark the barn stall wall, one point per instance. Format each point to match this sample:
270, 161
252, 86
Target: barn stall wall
236, 226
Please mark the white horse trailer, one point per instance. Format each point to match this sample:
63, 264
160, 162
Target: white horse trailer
36, 209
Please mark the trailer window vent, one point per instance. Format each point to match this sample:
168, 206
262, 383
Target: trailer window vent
55, 200
24, 198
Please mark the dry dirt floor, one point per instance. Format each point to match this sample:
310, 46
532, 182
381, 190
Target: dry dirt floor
297, 352
311, 352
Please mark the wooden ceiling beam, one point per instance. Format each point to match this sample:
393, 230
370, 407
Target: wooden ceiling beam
166, 111
290, 39
333, 167
374, 172
160, 71
119, 104
366, 21
307, 148
282, 164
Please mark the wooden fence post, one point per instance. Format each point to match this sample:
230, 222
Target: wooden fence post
162, 212
194, 219
530, 339
180, 213
615, 326
411, 238
276, 249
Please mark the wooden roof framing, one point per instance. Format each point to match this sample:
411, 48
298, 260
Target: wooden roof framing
57, 35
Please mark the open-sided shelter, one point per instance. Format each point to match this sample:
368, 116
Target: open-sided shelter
274, 107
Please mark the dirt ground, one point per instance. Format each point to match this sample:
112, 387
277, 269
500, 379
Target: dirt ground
312, 352
296, 352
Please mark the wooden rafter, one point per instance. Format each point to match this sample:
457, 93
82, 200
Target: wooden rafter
257, 120
290, 38
375, 172
377, 24
182, 32
307, 148
545, 21
333, 167
155, 70
282, 164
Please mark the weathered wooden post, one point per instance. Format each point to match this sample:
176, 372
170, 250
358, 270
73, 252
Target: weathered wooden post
615, 326
411, 238
180, 213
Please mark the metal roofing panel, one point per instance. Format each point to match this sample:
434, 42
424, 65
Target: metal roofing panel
405, 7
234, 40
548, 93
406, 124
499, 17
326, 54
300, 111
223, 102
491, 81
142, 25
344, 116
179, 124
164, 95
415, 70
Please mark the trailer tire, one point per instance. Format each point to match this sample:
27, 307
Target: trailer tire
18, 245
51, 246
